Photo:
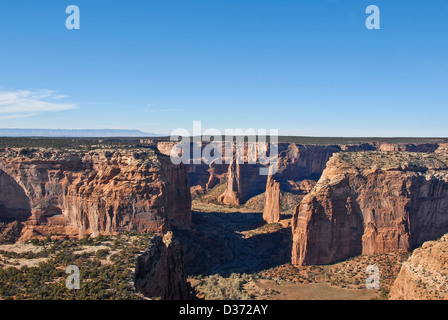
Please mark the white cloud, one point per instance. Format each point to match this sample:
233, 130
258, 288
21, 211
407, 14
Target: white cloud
17, 115
59, 96
26, 103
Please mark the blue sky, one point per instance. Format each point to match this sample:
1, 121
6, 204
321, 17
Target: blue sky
306, 67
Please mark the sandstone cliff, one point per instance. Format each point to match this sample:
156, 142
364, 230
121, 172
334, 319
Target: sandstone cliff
368, 202
298, 167
423, 147
424, 276
301, 165
443, 148
295, 163
96, 192
202, 175
243, 182
160, 270
271, 210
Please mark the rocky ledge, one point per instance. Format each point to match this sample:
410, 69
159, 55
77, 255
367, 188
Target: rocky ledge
424, 276
160, 271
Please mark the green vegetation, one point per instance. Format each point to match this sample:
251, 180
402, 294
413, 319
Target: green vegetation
90, 143
85, 144
347, 140
216, 287
355, 140
349, 274
104, 273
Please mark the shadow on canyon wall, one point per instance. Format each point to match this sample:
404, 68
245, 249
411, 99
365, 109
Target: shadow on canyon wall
215, 245
14, 203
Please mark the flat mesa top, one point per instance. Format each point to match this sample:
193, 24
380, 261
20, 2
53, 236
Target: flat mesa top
390, 160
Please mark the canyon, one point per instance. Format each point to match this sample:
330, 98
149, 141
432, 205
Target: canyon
325, 203
299, 168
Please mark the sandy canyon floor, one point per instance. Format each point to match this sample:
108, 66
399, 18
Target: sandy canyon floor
236, 255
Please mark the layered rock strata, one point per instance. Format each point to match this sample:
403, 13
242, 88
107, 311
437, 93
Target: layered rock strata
299, 168
371, 202
96, 192
271, 210
243, 182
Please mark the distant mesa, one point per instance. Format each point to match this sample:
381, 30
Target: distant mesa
75, 133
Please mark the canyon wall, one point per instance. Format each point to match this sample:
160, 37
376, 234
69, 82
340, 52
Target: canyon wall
243, 182
160, 271
371, 202
202, 175
295, 164
423, 147
299, 168
424, 276
97, 192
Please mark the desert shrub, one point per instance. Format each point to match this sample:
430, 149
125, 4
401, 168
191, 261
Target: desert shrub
216, 287
102, 253
46, 281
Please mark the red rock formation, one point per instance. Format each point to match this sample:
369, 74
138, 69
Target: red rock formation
443, 148
243, 182
302, 186
202, 176
299, 167
216, 172
423, 147
296, 164
160, 270
271, 211
368, 202
99, 192
424, 276
230, 195
165, 147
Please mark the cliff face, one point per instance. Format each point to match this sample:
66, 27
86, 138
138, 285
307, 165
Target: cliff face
243, 182
424, 276
295, 163
271, 211
368, 202
202, 176
299, 167
160, 270
424, 147
96, 192
298, 162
